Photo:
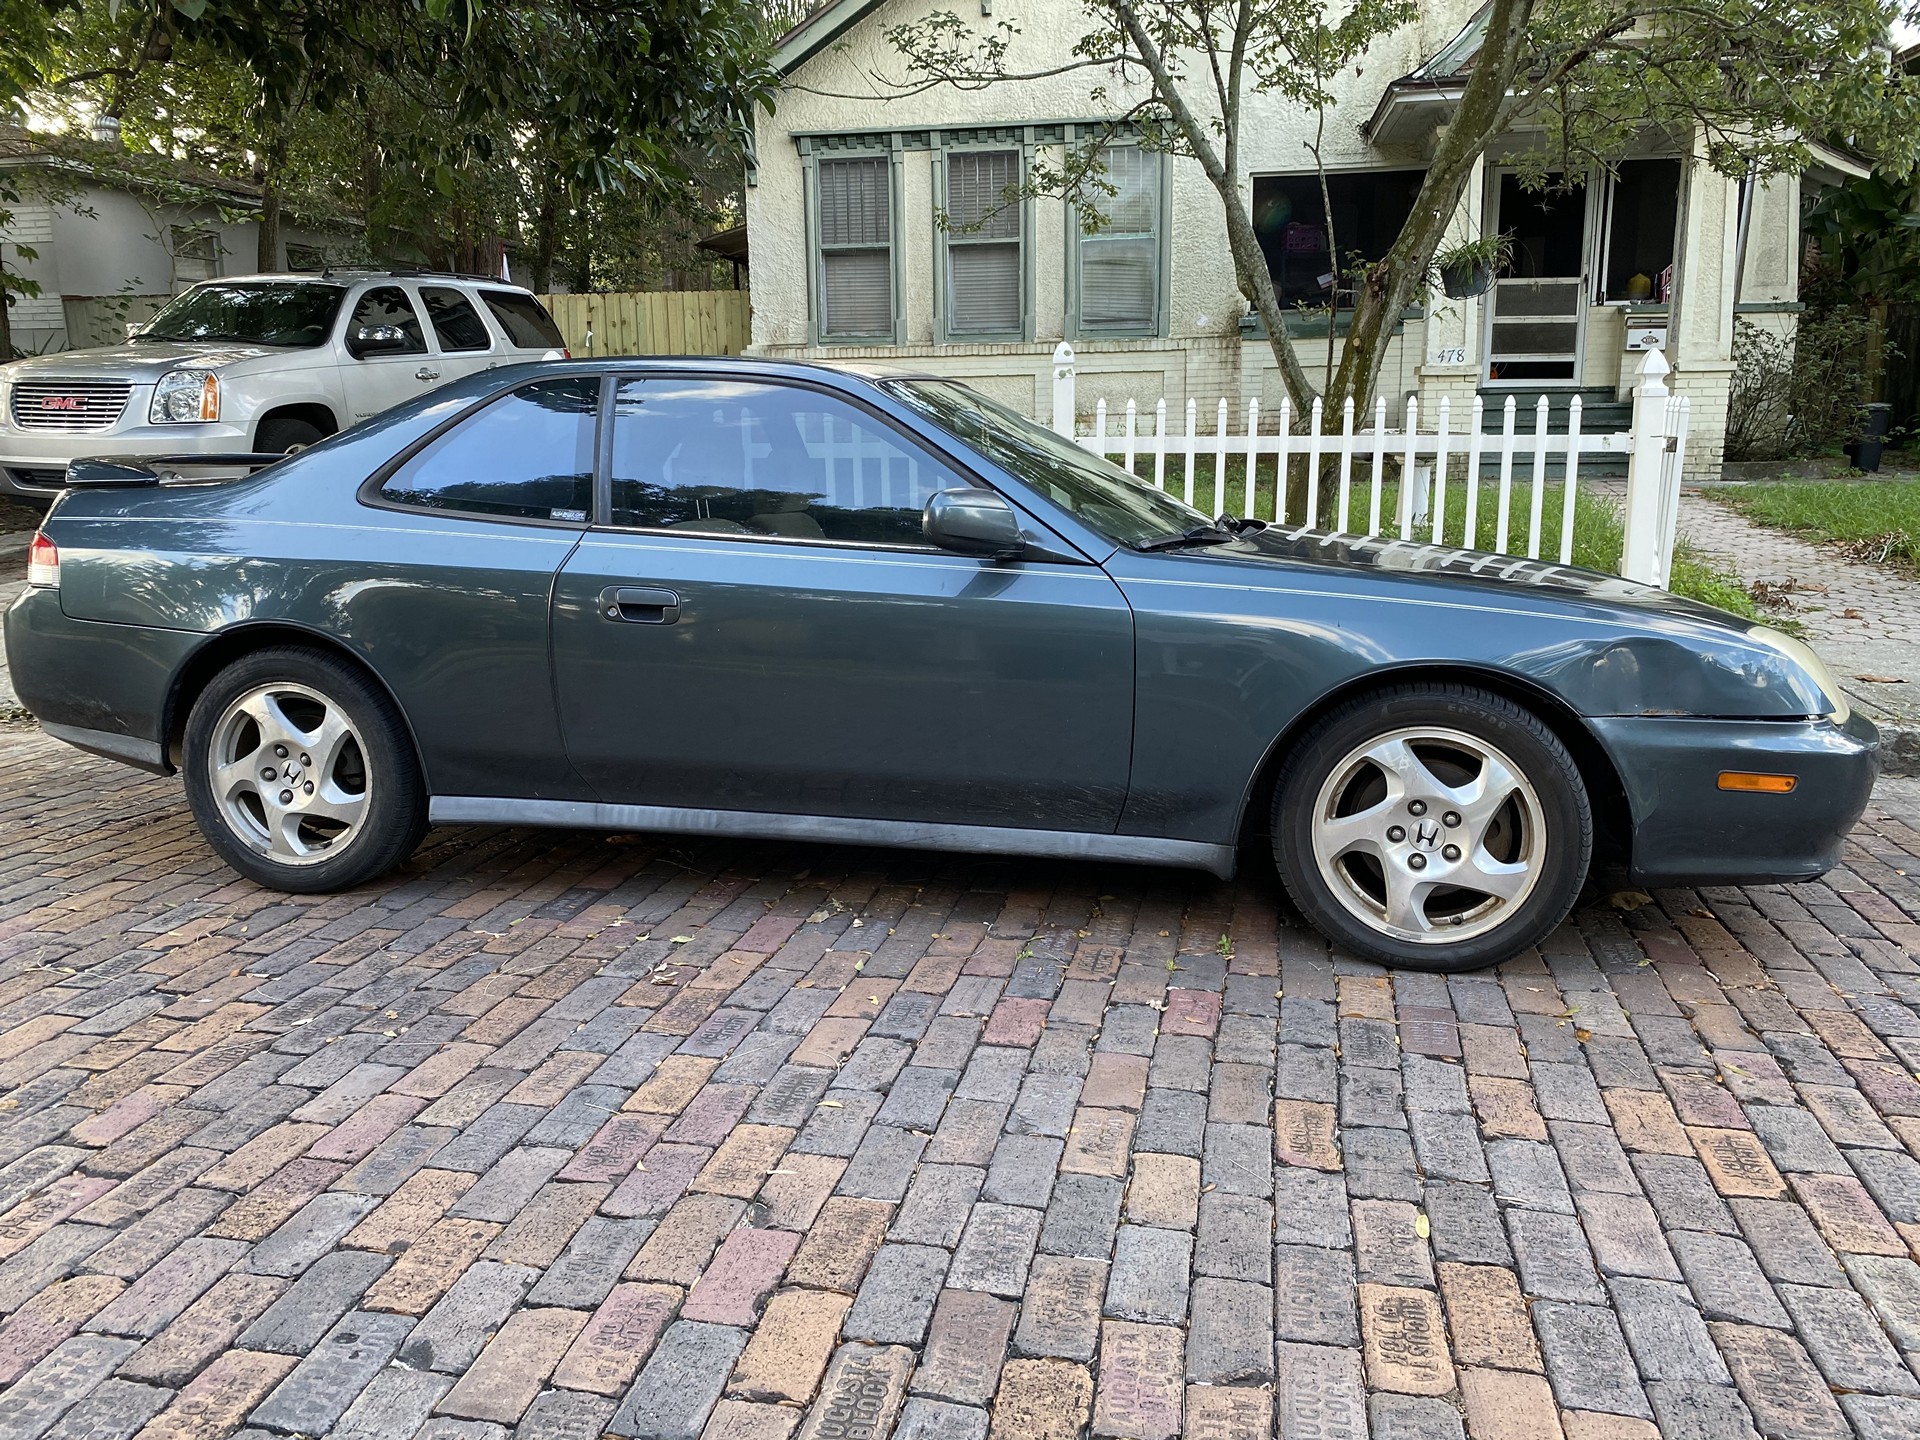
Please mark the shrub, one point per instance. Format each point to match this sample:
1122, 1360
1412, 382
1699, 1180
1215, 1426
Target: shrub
1800, 396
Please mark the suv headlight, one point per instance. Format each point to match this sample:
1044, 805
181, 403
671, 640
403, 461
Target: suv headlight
184, 395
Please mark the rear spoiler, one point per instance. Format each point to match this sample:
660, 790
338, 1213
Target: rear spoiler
103, 472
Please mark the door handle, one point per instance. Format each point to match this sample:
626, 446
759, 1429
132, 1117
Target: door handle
637, 605
426, 372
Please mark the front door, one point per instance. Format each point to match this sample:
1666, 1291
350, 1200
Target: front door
762, 627
386, 359
1536, 314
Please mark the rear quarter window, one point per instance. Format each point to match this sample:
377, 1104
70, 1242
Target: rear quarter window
525, 320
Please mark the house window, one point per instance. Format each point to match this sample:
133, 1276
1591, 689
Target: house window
196, 254
302, 259
1370, 208
1643, 215
984, 243
856, 248
1118, 268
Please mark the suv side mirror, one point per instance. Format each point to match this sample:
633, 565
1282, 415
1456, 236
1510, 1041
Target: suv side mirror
377, 340
973, 522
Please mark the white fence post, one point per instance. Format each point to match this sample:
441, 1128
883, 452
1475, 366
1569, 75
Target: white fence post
1063, 389
1647, 469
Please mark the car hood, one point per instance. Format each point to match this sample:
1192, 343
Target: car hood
1386, 555
145, 362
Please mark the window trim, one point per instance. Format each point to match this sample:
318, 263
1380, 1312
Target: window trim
602, 518
1162, 268
371, 493
964, 142
890, 148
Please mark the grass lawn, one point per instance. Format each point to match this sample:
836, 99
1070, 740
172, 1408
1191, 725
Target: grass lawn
1875, 520
1598, 532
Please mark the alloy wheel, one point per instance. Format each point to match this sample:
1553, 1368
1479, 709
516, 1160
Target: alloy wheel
289, 773
1429, 835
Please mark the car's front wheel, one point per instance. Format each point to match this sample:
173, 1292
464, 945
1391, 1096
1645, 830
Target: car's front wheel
300, 772
1433, 826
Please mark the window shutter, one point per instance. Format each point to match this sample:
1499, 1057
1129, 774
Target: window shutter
856, 234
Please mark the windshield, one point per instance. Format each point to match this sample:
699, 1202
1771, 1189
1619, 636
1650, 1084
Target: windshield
1097, 492
293, 314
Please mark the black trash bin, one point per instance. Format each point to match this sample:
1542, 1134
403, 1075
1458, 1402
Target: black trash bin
1864, 453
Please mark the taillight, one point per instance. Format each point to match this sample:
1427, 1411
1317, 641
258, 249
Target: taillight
567, 353
43, 563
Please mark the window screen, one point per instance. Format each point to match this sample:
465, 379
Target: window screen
1370, 208
983, 242
1120, 265
856, 246
723, 457
525, 320
456, 324
386, 307
528, 455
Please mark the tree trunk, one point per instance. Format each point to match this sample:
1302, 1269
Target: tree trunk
267, 257
546, 238
1391, 285
6, 325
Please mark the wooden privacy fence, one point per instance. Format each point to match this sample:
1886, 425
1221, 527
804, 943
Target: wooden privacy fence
1337, 460
654, 322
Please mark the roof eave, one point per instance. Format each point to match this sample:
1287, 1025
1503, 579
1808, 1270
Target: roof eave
819, 30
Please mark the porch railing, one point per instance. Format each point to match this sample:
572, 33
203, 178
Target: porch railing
1351, 467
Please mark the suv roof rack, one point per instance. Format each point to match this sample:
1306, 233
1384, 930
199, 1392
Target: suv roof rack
409, 272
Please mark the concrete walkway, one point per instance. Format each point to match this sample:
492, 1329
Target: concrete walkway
1863, 619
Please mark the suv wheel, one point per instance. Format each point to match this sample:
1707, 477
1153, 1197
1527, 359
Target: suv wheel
1437, 827
282, 437
300, 772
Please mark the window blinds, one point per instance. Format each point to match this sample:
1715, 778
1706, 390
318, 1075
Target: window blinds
856, 256
983, 242
1119, 265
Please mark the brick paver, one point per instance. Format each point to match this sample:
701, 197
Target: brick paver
557, 1135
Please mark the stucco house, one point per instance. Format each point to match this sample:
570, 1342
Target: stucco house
116, 240
851, 260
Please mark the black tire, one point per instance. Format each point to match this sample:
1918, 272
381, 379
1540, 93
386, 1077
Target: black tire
393, 815
278, 436
1544, 831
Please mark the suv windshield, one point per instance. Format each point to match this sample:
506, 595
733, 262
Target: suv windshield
1097, 492
294, 314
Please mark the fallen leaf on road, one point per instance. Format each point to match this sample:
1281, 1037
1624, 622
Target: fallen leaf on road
1883, 679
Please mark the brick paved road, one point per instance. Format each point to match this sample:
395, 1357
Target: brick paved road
555, 1134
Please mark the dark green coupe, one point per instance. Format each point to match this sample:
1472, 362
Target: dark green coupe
728, 597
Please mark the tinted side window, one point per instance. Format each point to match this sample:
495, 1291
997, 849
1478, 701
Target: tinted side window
386, 307
527, 455
456, 324
733, 458
525, 320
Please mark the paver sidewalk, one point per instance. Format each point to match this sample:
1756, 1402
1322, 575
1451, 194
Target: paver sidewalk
555, 1134
1863, 619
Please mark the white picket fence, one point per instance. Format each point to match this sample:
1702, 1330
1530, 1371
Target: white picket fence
1359, 459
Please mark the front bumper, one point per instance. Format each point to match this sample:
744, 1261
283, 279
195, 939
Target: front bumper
1688, 831
99, 686
34, 462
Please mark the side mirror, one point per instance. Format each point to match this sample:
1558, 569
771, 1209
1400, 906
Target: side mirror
377, 340
973, 522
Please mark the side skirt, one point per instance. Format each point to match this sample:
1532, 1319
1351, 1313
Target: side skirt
832, 829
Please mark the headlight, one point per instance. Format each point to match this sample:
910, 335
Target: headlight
1817, 674
184, 395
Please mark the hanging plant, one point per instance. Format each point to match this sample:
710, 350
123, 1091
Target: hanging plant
1468, 268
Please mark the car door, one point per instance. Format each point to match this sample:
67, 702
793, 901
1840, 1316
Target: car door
462, 342
385, 358
759, 624
448, 600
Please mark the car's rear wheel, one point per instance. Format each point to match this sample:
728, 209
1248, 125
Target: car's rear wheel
300, 772
284, 436
1438, 827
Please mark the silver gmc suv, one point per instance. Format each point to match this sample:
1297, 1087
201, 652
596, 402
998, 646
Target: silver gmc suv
260, 363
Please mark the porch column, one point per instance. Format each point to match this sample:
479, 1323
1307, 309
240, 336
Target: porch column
1700, 323
1451, 361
